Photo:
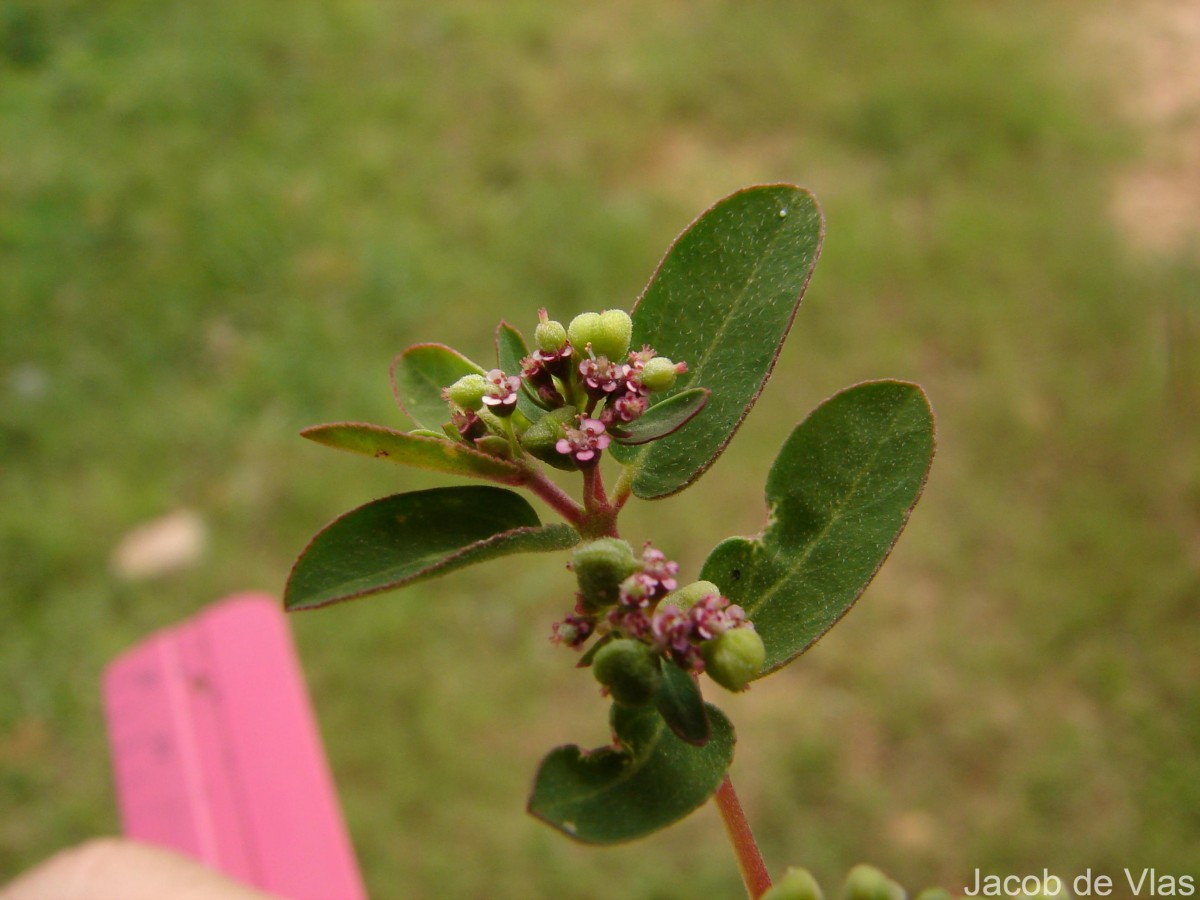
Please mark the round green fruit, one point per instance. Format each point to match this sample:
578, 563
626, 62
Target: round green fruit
541, 438
630, 670
549, 336
796, 884
686, 597
613, 333
600, 566
582, 331
468, 391
658, 374
868, 883
734, 658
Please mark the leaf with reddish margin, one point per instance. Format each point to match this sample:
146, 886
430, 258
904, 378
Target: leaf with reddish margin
839, 494
722, 300
418, 376
436, 453
662, 418
407, 538
650, 780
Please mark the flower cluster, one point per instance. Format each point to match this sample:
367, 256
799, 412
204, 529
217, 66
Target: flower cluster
585, 373
583, 444
678, 628
682, 633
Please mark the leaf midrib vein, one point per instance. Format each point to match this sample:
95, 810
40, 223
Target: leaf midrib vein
698, 370
839, 512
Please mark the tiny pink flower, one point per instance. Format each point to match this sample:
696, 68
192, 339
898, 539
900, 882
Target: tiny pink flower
671, 629
572, 631
656, 565
469, 425
585, 442
533, 370
632, 623
629, 407
502, 393
638, 590
602, 378
639, 358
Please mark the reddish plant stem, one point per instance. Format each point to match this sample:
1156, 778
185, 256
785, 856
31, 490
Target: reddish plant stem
594, 497
554, 496
749, 859
600, 519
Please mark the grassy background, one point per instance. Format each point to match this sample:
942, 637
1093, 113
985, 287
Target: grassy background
220, 221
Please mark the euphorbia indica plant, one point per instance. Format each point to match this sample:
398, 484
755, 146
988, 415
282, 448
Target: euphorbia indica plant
659, 391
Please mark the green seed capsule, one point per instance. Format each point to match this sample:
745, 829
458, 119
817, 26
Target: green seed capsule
540, 438
658, 374
685, 598
549, 336
868, 883
796, 884
468, 391
600, 567
582, 331
629, 669
733, 659
612, 336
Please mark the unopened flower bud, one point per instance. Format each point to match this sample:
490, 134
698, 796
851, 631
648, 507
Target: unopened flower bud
796, 884
658, 374
613, 332
501, 393
868, 883
733, 658
582, 330
600, 567
467, 392
549, 335
629, 669
466, 426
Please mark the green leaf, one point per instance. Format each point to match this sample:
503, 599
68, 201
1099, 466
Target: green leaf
426, 451
510, 350
418, 376
609, 795
663, 418
681, 705
838, 496
722, 301
410, 537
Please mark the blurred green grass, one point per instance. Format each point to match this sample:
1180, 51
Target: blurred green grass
219, 222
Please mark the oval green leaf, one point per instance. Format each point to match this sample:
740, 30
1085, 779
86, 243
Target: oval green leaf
663, 418
418, 376
426, 451
410, 537
723, 300
838, 496
651, 780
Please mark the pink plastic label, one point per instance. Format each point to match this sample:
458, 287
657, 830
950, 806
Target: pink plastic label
216, 753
